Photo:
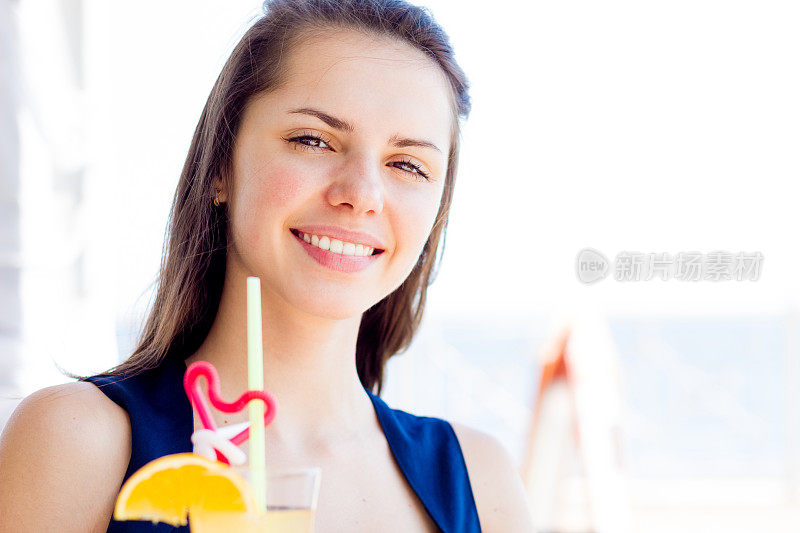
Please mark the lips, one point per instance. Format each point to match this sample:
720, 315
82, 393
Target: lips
297, 233
342, 233
334, 261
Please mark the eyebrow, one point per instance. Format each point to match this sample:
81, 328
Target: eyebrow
343, 125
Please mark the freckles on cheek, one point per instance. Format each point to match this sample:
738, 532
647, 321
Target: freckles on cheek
282, 188
264, 199
272, 189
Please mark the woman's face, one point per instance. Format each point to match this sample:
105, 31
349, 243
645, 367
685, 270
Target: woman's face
356, 140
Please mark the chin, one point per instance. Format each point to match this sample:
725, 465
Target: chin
332, 307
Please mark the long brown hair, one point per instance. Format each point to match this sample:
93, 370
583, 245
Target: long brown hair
193, 266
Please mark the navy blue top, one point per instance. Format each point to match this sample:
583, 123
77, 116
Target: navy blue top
426, 449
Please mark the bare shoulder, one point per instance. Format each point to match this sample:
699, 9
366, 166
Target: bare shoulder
496, 484
63, 454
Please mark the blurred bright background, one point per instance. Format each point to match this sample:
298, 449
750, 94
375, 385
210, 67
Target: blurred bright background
619, 125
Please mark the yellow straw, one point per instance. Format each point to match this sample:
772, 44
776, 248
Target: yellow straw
255, 372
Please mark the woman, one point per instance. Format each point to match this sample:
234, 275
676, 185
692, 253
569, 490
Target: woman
323, 163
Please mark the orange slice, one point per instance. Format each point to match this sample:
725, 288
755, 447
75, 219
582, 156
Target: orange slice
168, 488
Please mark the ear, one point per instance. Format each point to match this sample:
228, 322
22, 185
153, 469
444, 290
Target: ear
217, 185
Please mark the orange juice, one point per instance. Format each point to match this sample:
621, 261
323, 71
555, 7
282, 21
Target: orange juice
273, 521
290, 501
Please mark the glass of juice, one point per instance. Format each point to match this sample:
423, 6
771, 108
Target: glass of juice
291, 501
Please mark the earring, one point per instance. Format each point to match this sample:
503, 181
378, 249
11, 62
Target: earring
216, 199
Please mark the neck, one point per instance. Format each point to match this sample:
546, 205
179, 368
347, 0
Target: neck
309, 366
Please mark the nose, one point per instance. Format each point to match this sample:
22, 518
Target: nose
358, 183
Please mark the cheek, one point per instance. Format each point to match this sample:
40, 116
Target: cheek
419, 217
264, 199
273, 189
282, 186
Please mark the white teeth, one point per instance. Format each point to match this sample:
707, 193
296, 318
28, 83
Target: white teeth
338, 247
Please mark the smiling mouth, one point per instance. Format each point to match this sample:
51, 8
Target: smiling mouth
299, 235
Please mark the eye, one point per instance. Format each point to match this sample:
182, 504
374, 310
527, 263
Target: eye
410, 167
308, 142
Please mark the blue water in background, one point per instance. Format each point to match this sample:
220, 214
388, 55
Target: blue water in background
705, 397
701, 397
